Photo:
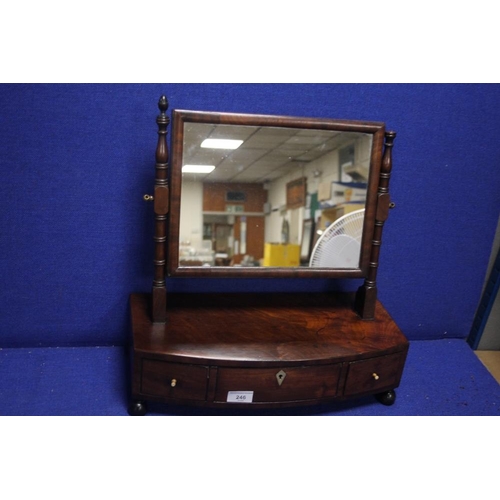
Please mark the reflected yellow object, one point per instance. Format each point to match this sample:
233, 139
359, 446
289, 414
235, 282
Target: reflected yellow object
278, 255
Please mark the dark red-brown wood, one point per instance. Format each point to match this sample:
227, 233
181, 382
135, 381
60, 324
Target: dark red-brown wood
300, 383
161, 208
212, 344
367, 293
284, 349
180, 117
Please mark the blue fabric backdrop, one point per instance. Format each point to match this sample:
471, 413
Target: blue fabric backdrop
75, 161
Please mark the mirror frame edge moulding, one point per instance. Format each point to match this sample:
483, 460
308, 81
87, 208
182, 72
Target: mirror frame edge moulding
180, 117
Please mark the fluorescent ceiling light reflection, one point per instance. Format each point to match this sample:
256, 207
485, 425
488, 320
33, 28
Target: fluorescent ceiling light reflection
198, 169
221, 143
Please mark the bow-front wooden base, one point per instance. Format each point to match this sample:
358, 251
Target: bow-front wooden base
262, 351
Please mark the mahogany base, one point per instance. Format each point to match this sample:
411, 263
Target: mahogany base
262, 351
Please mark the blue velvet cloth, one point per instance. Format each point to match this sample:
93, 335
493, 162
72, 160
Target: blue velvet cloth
76, 236
441, 377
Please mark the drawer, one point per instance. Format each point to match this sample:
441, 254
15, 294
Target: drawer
370, 375
297, 383
174, 380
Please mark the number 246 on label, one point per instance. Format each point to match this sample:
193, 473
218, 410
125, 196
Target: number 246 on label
240, 396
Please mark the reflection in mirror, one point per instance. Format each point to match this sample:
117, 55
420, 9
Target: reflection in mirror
268, 196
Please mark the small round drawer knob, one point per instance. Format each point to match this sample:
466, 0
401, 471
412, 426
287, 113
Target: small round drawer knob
375, 376
173, 383
148, 197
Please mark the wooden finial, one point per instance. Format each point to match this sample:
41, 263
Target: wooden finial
387, 158
163, 104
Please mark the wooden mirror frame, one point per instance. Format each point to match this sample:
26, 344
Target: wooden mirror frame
167, 203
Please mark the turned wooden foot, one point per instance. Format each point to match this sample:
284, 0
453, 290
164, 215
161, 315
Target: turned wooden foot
386, 398
137, 408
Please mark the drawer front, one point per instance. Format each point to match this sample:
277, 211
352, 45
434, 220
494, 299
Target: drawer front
174, 380
297, 383
370, 375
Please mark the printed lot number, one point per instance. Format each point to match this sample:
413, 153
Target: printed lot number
240, 396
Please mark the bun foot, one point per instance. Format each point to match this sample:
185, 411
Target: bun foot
137, 408
386, 398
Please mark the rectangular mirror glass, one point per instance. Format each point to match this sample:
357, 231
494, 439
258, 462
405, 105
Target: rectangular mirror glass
257, 194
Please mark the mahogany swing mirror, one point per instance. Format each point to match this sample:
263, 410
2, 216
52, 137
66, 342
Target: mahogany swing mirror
266, 196
243, 185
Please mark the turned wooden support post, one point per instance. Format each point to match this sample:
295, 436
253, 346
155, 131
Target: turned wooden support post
366, 296
161, 197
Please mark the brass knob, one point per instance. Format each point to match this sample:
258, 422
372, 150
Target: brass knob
375, 376
173, 383
148, 197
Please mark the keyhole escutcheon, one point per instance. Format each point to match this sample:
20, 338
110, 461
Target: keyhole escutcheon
280, 376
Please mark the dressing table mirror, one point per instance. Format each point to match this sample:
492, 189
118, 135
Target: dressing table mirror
260, 196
